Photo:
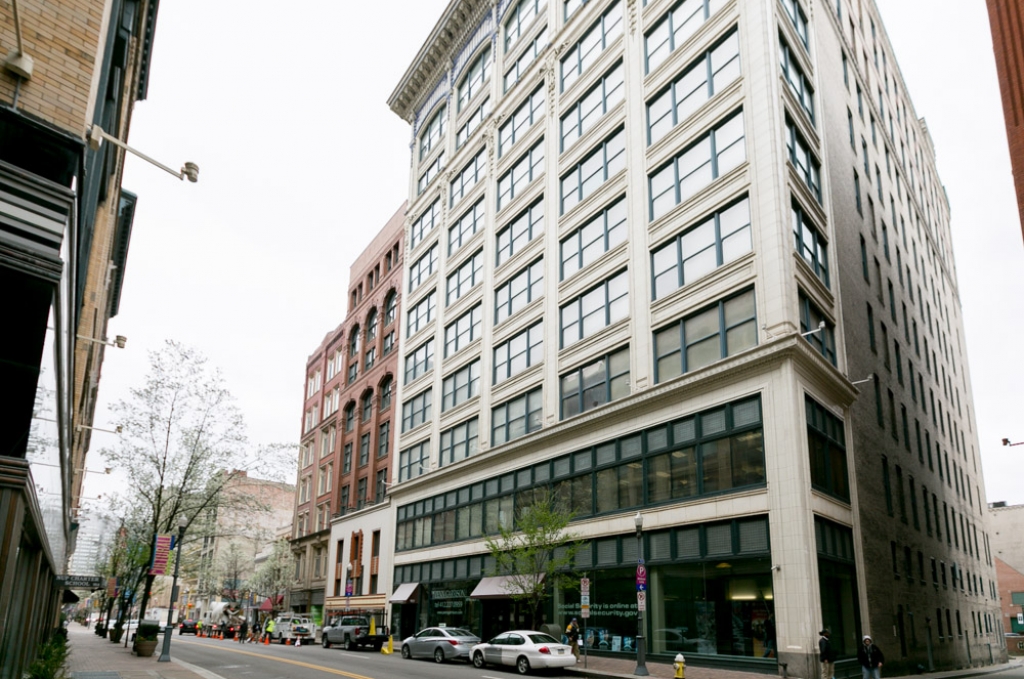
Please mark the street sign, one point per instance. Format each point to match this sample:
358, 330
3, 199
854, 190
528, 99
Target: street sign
641, 588
585, 611
584, 585
1020, 618
641, 601
641, 578
584, 599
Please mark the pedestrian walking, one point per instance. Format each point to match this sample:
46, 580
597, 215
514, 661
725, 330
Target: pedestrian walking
827, 654
572, 632
769, 636
871, 659
243, 632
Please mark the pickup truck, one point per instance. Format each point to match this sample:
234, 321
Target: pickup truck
353, 631
298, 628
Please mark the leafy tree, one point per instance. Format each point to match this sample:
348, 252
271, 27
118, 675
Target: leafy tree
536, 553
183, 440
274, 576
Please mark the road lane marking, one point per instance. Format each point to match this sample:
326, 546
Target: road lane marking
311, 666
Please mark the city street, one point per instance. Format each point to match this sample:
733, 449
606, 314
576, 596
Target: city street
256, 661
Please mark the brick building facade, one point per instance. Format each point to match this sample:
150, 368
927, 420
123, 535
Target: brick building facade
347, 441
1006, 18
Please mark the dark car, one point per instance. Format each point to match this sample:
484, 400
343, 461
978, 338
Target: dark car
187, 627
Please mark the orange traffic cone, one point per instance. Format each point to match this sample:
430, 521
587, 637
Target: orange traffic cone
287, 642
266, 641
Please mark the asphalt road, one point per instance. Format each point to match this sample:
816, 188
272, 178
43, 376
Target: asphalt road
232, 660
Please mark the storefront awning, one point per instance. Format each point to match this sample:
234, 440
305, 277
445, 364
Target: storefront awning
406, 593
501, 586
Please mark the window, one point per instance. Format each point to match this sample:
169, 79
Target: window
424, 224
469, 176
528, 56
413, 461
420, 362
364, 449
676, 27
461, 386
516, 417
798, 82
344, 506
350, 417
799, 19
468, 224
476, 75
520, 175
712, 72
386, 389
472, 123
380, 490
388, 343
390, 308
416, 410
592, 106
367, 405
887, 486
700, 249
433, 131
595, 309
594, 170
354, 341
519, 353
521, 230
384, 439
421, 314
724, 329
422, 268
599, 235
430, 173
584, 53
520, 17
465, 277
459, 442
521, 120
463, 331
708, 158
519, 291
871, 328
826, 440
803, 160
811, 245
595, 384
346, 460
817, 330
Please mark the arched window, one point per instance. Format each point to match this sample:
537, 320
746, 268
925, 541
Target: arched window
371, 326
350, 417
367, 405
353, 342
390, 307
386, 391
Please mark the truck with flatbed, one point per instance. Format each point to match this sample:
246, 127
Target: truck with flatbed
352, 632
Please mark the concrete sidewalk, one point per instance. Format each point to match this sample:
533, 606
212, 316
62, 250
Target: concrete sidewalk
92, 657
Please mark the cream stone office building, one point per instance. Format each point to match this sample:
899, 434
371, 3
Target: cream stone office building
690, 259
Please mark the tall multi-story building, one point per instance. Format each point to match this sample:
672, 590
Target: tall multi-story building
688, 261
1005, 17
71, 69
348, 430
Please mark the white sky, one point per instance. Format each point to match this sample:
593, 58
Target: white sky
301, 163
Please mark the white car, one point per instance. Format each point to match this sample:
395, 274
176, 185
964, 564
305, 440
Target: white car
523, 649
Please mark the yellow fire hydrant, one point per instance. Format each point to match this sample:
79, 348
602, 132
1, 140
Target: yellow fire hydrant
679, 666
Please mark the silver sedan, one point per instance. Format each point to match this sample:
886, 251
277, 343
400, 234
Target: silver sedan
440, 643
524, 650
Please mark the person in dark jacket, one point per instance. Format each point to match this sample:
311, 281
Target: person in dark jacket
826, 654
871, 659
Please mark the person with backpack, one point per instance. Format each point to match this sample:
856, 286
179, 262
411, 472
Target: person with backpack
572, 632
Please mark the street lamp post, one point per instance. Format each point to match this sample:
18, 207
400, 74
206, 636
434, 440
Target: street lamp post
641, 645
165, 653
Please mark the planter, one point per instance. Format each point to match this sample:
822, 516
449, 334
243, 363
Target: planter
115, 635
145, 648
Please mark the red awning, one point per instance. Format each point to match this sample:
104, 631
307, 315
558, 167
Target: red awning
268, 605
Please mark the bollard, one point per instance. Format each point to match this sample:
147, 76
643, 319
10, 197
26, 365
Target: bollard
679, 666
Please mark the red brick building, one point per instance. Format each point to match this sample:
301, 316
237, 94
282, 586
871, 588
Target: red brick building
1006, 19
347, 440
1011, 599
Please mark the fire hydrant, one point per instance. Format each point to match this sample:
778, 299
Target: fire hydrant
679, 666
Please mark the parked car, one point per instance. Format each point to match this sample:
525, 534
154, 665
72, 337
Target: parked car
523, 649
440, 643
293, 627
187, 627
353, 631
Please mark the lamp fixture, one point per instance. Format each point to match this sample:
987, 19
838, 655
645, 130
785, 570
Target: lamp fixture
118, 341
116, 430
821, 326
1006, 442
96, 136
106, 470
17, 61
869, 378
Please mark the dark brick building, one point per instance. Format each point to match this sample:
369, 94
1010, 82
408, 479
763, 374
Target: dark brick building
1006, 19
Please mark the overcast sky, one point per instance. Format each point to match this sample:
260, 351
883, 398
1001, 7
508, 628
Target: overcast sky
301, 163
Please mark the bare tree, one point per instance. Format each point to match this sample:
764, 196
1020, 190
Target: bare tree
183, 441
275, 575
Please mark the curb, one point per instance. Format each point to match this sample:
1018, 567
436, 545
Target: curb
951, 674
